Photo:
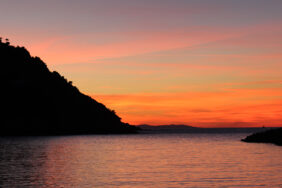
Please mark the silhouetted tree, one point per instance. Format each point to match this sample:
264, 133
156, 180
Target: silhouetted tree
7, 41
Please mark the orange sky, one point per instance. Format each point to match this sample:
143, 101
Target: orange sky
216, 64
230, 107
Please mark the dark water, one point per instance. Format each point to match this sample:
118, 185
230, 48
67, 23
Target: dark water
165, 160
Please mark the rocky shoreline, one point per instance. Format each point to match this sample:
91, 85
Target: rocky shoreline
273, 136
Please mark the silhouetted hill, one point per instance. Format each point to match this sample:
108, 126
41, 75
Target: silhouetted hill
270, 136
36, 101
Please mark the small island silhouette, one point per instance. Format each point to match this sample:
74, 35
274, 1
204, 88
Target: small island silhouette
273, 136
37, 101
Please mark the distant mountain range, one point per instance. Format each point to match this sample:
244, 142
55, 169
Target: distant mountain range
190, 129
37, 101
172, 126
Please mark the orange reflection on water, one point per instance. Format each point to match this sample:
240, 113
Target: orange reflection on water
157, 160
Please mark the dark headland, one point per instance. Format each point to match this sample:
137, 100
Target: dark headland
273, 136
37, 101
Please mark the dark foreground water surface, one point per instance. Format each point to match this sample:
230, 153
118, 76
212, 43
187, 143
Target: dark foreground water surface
145, 160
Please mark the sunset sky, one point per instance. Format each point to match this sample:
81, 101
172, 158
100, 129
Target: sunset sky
206, 63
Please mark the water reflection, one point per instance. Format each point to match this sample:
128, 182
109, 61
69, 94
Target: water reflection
21, 161
139, 161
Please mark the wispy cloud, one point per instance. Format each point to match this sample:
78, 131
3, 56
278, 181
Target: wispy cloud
254, 106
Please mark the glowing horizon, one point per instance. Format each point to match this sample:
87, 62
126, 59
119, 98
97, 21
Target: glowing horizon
215, 64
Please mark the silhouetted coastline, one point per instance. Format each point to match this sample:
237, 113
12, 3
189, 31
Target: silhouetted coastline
37, 101
273, 136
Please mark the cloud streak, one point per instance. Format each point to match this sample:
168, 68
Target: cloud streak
252, 107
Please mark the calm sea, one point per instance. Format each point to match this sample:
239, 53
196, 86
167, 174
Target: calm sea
145, 160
